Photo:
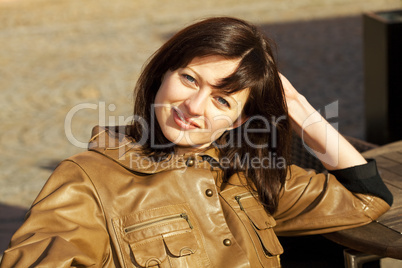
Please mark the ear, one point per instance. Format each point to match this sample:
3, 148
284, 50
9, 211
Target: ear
239, 121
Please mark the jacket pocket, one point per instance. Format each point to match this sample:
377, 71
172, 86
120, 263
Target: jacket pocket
162, 237
260, 227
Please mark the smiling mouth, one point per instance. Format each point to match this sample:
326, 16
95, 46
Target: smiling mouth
181, 121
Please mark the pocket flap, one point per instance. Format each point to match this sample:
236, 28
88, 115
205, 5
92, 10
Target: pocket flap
181, 244
260, 219
270, 242
149, 252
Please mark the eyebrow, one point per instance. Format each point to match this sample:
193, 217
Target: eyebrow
198, 77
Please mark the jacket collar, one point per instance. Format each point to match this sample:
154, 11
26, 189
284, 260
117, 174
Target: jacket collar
115, 144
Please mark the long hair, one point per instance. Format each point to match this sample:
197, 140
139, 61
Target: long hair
266, 134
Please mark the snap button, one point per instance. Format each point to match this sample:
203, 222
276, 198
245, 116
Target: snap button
209, 192
227, 242
190, 162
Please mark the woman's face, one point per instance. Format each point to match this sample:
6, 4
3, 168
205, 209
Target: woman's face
190, 111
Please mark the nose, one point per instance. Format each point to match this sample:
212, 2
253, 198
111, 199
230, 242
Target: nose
196, 103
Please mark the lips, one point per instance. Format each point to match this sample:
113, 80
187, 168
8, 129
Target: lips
183, 121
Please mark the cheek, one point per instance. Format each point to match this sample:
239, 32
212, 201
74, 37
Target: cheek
163, 91
222, 121
160, 100
169, 92
160, 95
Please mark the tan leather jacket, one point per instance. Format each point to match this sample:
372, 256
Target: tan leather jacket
108, 207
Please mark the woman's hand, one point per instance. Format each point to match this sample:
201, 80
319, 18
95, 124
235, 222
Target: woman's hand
291, 93
295, 101
333, 150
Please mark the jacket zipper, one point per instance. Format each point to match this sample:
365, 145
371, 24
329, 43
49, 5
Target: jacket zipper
240, 196
146, 224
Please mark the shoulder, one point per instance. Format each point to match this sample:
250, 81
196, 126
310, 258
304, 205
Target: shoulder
86, 170
96, 166
88, 158
298, 176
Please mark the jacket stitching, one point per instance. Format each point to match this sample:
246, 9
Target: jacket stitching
98, 197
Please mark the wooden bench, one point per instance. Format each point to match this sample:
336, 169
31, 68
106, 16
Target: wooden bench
383, 237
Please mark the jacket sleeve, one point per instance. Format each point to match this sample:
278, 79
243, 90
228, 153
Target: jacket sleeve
65, 226
312, 203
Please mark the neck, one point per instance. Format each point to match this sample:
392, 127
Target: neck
181, 150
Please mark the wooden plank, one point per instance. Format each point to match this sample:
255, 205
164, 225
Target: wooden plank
385, 236
391, 178
397, 170
394, 156
393, 217
393, 220
390, 168
373, 238
397, 193
384, 162
396, 146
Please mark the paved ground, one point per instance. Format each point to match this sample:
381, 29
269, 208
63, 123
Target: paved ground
57, 56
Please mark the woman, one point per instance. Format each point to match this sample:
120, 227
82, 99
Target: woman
202, 176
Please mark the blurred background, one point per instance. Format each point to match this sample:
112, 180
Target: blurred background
80, 60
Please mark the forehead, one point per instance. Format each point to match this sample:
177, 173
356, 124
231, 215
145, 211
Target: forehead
215, 66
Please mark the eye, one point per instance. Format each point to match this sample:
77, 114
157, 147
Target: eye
189, 78
222, 101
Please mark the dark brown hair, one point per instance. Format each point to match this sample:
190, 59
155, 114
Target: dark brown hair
232, 39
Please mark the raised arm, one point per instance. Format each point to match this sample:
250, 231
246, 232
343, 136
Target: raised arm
333, 150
